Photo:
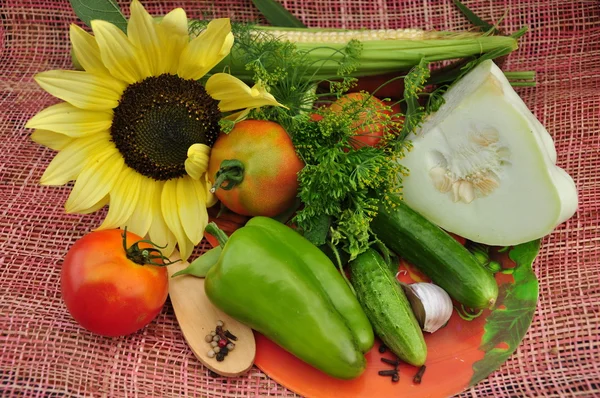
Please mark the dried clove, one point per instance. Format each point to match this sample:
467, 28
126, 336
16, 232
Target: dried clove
395, 377
382, 348
419, 375
229, 335
393, 362
389, 372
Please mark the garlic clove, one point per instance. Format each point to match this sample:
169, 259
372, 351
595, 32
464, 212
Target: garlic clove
431, 305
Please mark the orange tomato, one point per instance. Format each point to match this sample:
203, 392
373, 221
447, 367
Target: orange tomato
262, 179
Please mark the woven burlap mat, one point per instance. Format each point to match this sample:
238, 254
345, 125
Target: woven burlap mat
44, 353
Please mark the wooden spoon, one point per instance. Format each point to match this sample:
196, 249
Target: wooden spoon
197, 317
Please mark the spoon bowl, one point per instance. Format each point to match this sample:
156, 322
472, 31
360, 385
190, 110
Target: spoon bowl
197, 317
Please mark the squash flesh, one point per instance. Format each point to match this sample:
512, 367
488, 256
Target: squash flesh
483, 166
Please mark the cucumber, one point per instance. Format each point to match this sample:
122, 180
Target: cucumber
384, 302
438, 255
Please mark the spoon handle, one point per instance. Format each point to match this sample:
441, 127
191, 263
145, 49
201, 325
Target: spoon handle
197, 317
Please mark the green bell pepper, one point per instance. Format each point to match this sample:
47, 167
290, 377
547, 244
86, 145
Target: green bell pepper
272, 279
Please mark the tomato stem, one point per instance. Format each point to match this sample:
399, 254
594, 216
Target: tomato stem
231, 172
146, 255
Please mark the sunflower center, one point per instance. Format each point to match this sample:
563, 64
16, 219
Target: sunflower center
158, 119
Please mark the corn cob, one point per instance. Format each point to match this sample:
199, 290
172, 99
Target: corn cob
383, 51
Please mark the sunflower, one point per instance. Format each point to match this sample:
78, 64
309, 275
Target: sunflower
136, 126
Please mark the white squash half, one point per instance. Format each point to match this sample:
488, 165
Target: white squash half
484, 167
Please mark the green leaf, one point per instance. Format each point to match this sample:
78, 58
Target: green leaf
474, 19
505, 327
107, 10
317, 235
277, 15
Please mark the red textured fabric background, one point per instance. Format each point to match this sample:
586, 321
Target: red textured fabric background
44, 353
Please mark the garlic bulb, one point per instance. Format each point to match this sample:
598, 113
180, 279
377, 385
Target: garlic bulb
431, 305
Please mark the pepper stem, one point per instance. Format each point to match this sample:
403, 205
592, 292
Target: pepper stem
218, 233
230, 173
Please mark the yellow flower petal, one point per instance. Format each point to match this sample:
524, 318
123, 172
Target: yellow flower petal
169, 207
86, 51
95, 180
205, 51
174, 36
69, 162
69, 120
82, 89
196, 163
51, 139
123, 199
238, 116
141, 218
159, 231
143, 35
118, 53
234, 94
191, 202
103, 202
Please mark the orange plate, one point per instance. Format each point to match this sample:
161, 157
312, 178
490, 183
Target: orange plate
452, 352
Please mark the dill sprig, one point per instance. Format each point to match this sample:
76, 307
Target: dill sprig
342, 187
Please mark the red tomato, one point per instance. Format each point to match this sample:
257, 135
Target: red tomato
105, 290
368, 132
258, 163
382, 85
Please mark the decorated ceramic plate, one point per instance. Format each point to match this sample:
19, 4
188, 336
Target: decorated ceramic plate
460, 354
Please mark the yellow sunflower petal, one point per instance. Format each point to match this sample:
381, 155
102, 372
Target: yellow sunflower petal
123, 199
238, 116
234, 94
211, 198
141, 218
175, 23
69, 120
196, 163
191, 202
159, 231
82, 89
95, 180
174, 36
68, 163
143, 35
118, 53
103, 202
205, 51
169, 206
51, 139
86, 51
185, 248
